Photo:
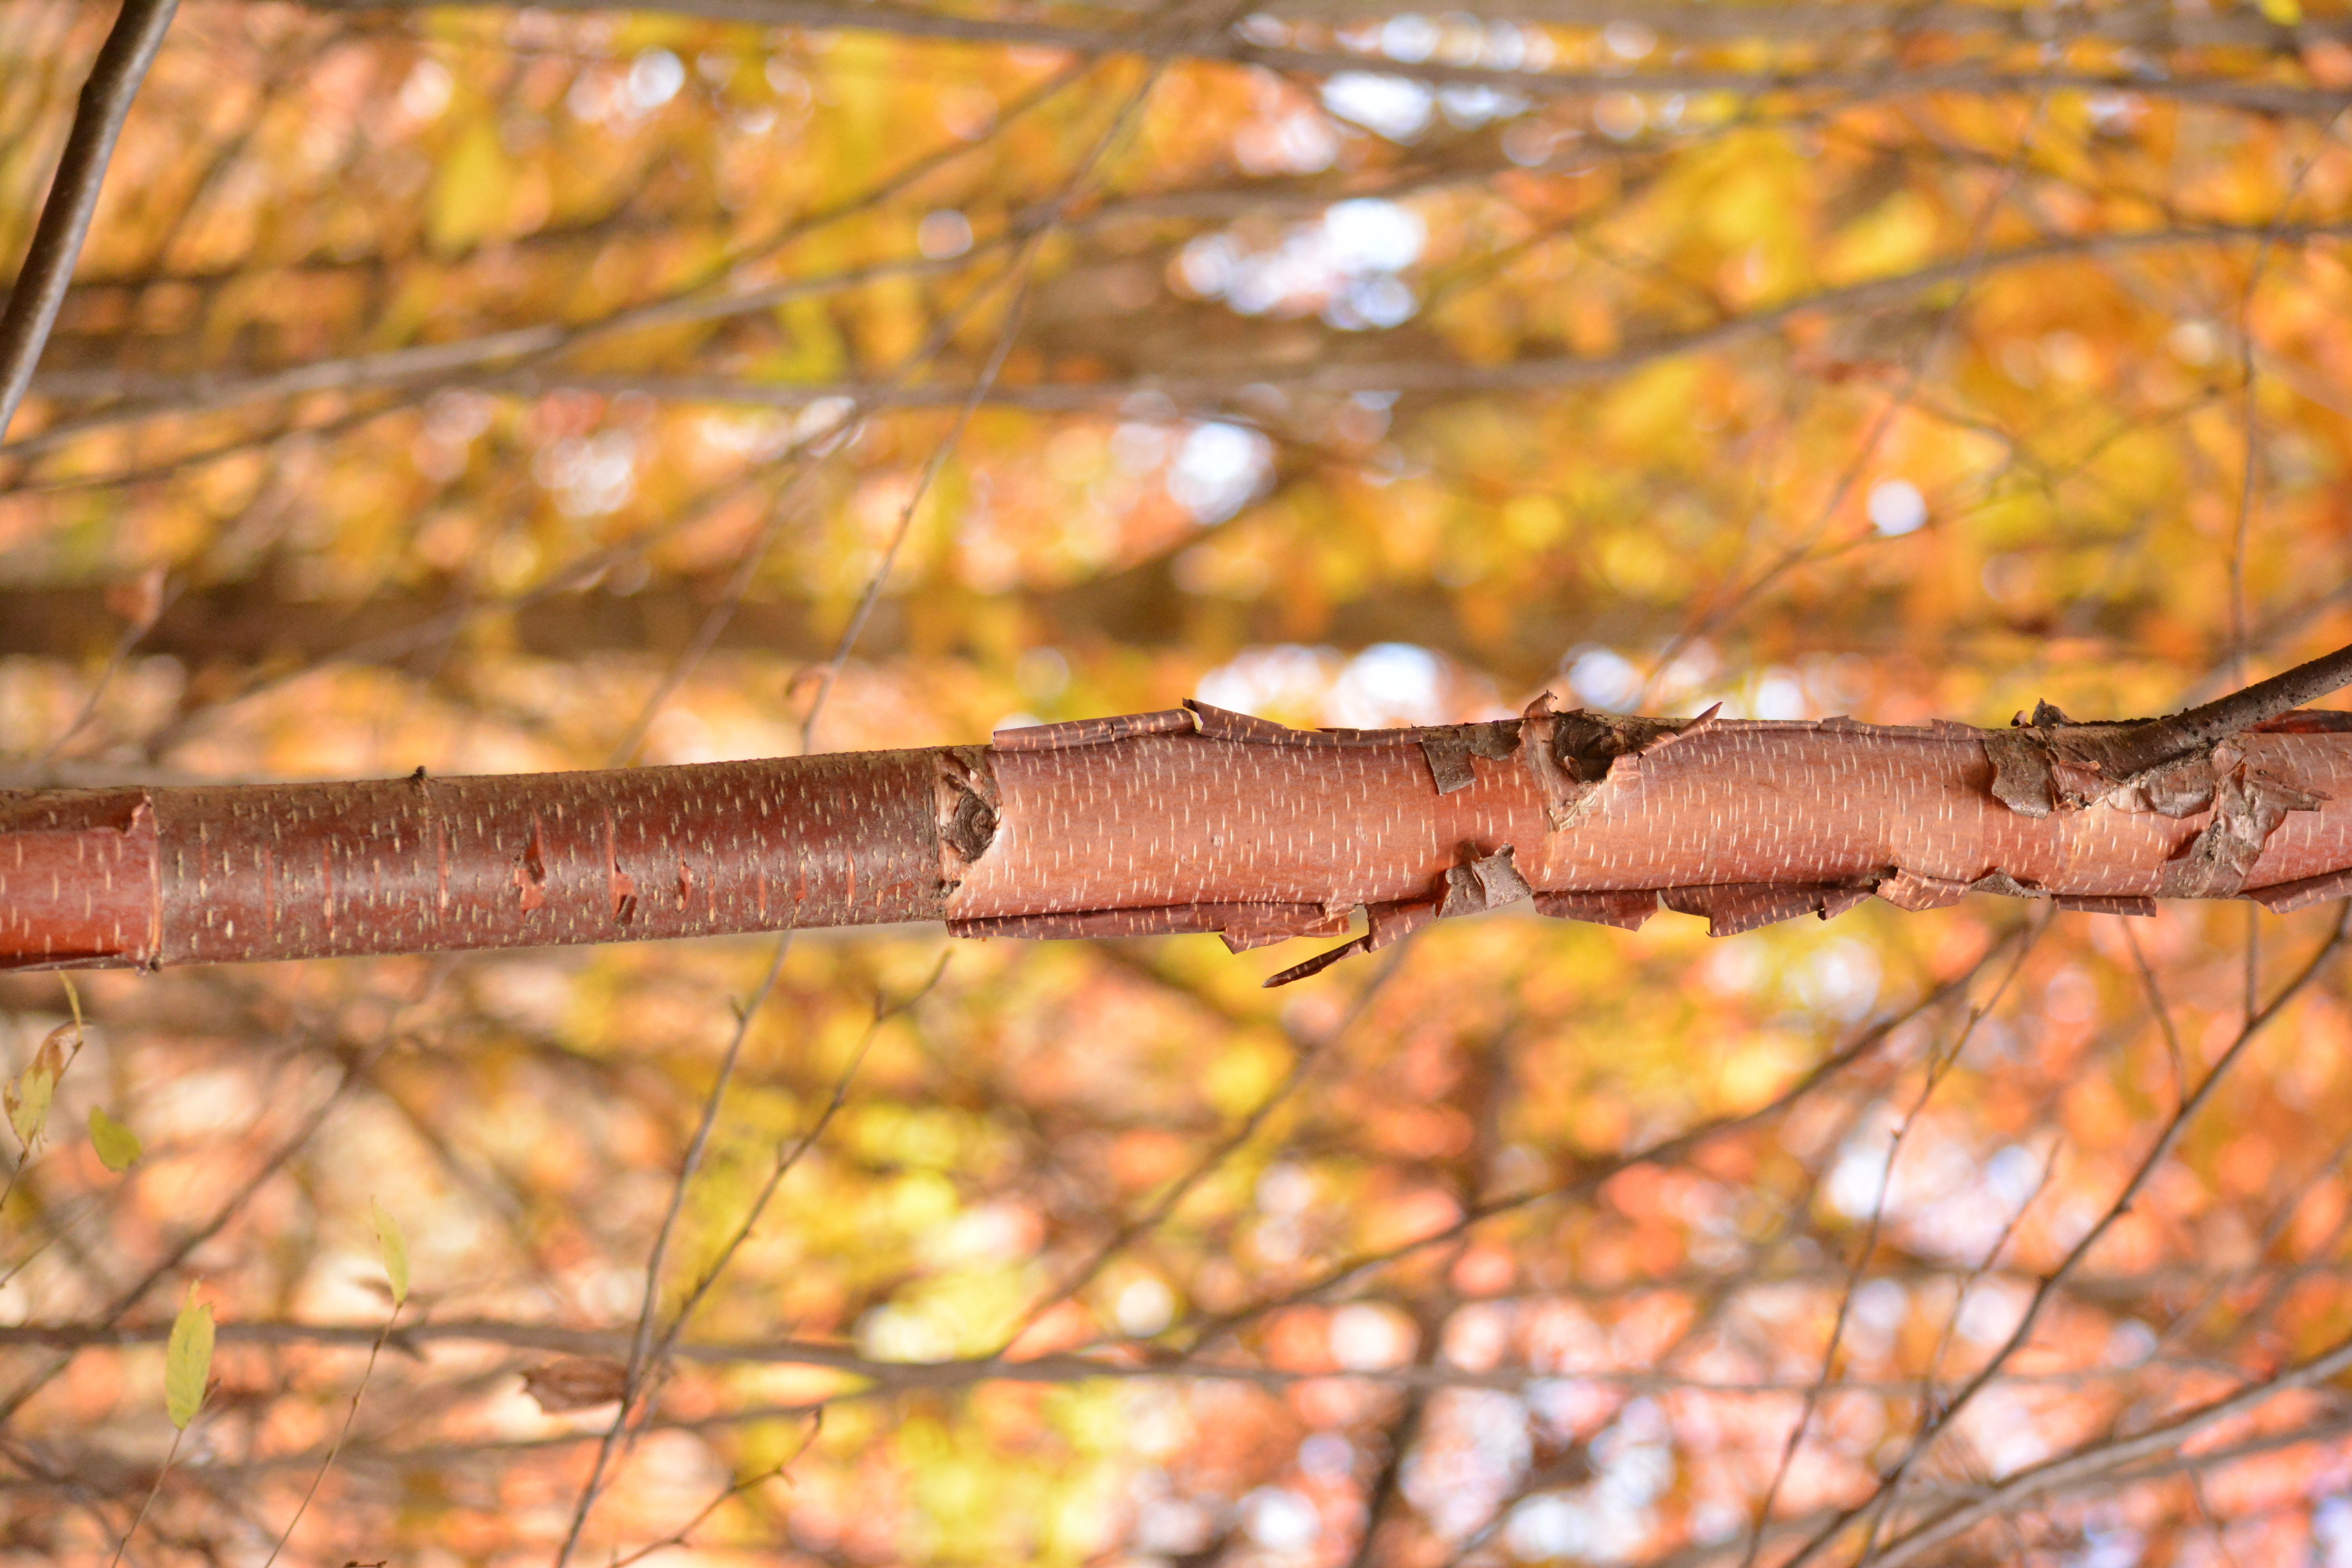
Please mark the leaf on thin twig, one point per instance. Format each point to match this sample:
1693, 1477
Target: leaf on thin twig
394, 1249
575, 1383
27, 1099
119, 1148
188, 1360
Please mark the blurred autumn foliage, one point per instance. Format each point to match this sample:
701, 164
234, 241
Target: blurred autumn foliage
497, 389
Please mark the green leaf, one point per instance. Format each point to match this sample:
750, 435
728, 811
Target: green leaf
118, 1147
188, 1360
395, 1248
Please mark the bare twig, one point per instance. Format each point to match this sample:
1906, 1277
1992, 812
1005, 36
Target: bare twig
2047, 1288
2163, 1013
641, 1341
173, 394
1214, 1159
343, 1432
1938, 1063
790, 1155
2159, 741
2070, 1469
2248, 413
1597, 1173
749, 1483
170, 1454
114, 78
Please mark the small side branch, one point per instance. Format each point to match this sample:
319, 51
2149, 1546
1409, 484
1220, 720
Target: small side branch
2161, 741
114, 80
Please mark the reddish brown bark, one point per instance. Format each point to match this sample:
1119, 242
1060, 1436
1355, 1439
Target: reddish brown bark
1192, 819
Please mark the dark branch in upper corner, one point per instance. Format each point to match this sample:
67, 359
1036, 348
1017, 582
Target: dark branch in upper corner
2156, 741
114, 78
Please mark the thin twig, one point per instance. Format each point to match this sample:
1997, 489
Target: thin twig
1212, 1161
749, 1483
114, 78
2159, 741
2070, 1469
641, 1341
2249, 414
2163, 1013
1598, 1173
1939, 1062
790, 1155
141, 1518
341, 1433
2051, 1283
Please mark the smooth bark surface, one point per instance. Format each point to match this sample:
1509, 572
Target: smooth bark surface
1193, 820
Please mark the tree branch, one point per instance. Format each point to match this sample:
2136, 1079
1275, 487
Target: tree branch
114, 80
2160, 740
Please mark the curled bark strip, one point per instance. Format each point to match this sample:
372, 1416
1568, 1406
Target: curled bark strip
78, 880
1449, 749
1837, 900
1736, 907
1588, 745
1449, 761
2020, 772
1388, 923
2179, 789
1498, 878
2248, 806
1219, 724
2286, 898
2095, 904
1315, 965
1498, 741
1625, 910
1538, 752
1485, 882
2007, 886
1910, 891
1174, 919
1394, 922
1093, 731
1262, 925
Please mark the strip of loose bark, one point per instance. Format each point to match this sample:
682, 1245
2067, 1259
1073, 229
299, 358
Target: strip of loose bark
114, 78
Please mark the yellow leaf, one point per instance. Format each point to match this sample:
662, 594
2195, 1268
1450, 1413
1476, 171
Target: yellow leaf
119, 1148
27, 1098
188, 1361
394, 1249
2285, 13
471, 192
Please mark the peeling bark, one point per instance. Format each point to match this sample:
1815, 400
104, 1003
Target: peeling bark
1194, 819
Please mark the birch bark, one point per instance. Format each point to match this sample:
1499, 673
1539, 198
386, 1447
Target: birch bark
1200, 820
